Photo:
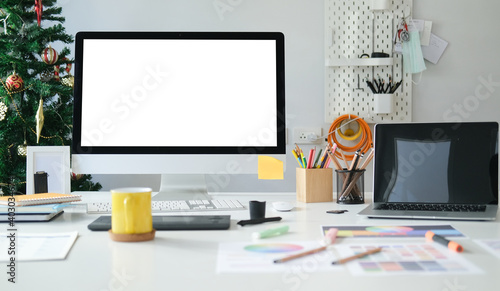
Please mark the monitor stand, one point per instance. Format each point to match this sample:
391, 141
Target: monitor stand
182, 187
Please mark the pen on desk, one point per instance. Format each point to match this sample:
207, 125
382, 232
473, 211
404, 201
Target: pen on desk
360, 255
440, 239
271, 232
329, 238
258, 220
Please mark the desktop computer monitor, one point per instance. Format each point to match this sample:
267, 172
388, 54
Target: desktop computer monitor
180, 104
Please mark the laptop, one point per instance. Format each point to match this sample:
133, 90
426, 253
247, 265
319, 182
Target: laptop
435, 171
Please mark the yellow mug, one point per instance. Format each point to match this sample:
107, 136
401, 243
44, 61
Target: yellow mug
131, 210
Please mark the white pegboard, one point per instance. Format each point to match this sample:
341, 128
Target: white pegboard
353, 29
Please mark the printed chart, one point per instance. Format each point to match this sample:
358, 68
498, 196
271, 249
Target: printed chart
259, 257
393, 231
405, 259
395, 258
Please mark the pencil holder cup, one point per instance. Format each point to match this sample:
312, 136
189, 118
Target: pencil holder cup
383, 103
314, 185
257, 209
350, 186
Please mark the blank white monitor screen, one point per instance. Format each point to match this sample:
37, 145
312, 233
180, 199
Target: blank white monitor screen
177, 102
215, 92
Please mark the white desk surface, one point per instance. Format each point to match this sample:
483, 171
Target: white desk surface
187, 260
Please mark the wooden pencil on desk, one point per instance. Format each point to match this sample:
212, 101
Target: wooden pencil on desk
300, 255
329, 239
360, 255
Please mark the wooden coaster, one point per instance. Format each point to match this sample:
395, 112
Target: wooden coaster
132, 237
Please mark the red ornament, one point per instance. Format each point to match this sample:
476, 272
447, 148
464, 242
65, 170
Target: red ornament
14, 82
38, 10
57, 67
49, 56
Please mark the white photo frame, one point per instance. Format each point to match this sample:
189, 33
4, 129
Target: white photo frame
55, 161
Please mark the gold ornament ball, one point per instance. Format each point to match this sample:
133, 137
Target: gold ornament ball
22, 150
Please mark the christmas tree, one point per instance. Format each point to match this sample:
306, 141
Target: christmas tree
36, 92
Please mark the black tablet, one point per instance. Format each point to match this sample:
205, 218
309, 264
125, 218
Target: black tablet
178, 222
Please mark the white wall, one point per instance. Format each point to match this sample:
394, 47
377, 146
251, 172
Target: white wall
451, 90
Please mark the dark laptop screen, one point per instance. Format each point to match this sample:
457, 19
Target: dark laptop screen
436, 163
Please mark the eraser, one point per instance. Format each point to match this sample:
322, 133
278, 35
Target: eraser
330, 236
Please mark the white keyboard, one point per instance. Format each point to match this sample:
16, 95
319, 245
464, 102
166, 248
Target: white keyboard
173, 206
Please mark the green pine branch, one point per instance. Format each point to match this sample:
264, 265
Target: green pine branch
21, 46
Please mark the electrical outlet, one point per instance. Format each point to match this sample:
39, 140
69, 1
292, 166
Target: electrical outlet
309, 135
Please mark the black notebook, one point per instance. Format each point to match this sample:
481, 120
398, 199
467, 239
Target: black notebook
30, 217
177, 222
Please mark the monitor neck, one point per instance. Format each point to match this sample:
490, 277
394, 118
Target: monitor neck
182, 187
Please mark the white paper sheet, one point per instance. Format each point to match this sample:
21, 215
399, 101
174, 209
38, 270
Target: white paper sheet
35, 246
435, 49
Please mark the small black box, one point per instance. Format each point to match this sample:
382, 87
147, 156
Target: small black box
41, 185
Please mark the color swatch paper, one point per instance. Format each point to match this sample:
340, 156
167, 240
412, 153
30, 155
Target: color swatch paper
393, 231
405, 259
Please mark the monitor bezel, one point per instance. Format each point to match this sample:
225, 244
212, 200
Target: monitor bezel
280, 147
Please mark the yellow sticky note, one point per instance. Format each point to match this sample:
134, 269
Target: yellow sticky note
270, 168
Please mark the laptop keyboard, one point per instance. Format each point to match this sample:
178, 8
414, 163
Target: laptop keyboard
432, 207
174, 206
